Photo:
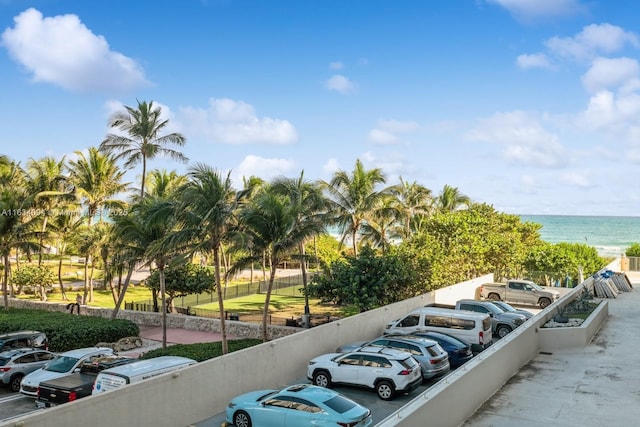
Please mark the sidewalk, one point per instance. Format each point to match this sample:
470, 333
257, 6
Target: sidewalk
597, 385
152, 338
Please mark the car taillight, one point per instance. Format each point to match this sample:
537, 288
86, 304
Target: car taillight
38, 392
435, 361
347, 424
5, 369
481, 337
405, 372
72, 396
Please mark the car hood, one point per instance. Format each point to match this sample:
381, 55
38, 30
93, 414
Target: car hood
251, 398
511, 316
36, 377
350, 347
325, 357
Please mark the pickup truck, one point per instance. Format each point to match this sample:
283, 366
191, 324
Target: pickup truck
501, 322
77, 385
518, 291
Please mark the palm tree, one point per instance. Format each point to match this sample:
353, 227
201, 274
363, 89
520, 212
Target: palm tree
164, 184
96, 178
205, 221
309, 204
353, 198
414, 201
451, 199
271, 222
381, 226
66, 227
142, 141
47, 183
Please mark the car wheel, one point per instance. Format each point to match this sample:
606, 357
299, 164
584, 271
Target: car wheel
385, 390
14, 385
494, 297
544, 302
503, 330
241, 419
322, 379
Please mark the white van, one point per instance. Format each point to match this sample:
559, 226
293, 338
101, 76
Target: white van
113, 378
470, 327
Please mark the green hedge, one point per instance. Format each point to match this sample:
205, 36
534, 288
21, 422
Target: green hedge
66, 331
201, 351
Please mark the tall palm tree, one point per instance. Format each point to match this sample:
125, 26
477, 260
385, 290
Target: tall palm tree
271, 223
142, 139
381, 227
310, 205
96, 178
353, 198
164, 184
66, 228
451, 199
48, 185
414, 200
206, 218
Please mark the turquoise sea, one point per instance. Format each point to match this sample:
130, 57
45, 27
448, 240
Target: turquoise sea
610, 235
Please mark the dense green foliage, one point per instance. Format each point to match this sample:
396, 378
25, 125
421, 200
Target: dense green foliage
201, 351
633, 250
366, 281
66, 331
552, 262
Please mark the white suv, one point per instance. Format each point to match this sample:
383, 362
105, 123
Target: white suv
386, 370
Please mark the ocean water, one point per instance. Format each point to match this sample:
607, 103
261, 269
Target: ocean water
610, 235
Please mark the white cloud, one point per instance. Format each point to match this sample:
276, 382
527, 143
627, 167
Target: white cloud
525, 140
534, 9
235, 122
262, 167
331, 166
387, 131
611, 112
578, 179
340, 83
336, 65
606, 73
593, 40
536, 60
61, 50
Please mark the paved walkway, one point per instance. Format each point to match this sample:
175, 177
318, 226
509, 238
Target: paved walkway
598, 385
152, 338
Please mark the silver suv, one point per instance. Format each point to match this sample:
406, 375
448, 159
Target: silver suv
16, 363
385, 370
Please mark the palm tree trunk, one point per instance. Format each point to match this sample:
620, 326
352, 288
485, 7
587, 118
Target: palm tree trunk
123, 292
144, 174
223, 326
62, 291
164, 306
354, 233
267, 301
91, 282
44, 227
86, 278
303, 268
5, 280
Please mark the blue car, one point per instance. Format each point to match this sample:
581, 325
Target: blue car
459, 352
297, 405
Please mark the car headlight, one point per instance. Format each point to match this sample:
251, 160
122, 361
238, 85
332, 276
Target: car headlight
231, 405
312, 363
519, 322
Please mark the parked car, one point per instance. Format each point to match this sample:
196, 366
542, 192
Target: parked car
66, 363
385, 370
296, 405
78, 384
434, 361
16, 363
459, 351
508, 308
24, 339
501, 322
519, 291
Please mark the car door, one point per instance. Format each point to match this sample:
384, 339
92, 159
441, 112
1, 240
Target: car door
372, 367
516, 293
272, 412
409, 324
303, 413
346, 370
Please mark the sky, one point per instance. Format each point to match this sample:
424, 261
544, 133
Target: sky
532, 106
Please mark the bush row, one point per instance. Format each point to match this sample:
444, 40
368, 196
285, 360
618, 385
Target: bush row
65, 331
201, 351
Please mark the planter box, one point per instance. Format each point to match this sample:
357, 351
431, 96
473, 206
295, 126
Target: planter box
552, 339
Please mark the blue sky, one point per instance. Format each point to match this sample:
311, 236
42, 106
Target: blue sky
532, 106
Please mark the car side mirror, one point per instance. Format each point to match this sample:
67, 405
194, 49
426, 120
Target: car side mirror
75, 371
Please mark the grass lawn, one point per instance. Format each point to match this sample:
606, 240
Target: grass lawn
282, 305
101, 298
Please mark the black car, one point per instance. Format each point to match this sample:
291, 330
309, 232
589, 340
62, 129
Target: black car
24, 339
459, 351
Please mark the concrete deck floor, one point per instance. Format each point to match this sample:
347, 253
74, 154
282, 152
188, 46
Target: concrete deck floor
598, 385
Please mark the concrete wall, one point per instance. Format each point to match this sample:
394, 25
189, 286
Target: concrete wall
553, 339
201, 391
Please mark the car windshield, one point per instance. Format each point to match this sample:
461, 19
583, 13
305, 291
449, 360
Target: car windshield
535, 286
3, 361
495, 309
271, 393
62, 364
340, 404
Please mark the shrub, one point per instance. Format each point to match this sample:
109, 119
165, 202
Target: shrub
201, 351
633, 250
66, 332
